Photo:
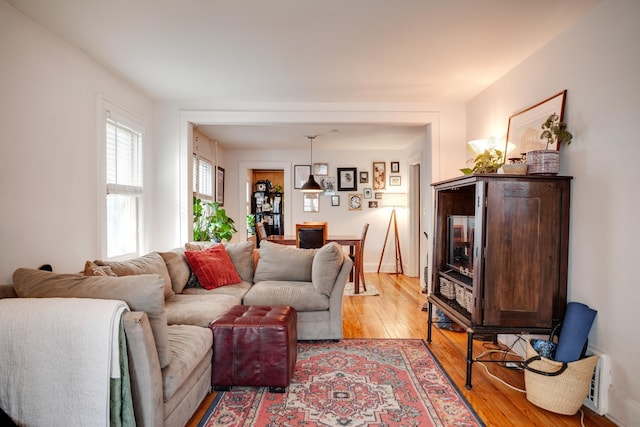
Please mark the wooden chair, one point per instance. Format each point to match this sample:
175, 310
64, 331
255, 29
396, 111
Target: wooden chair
358, 264
324, 224
311, 236
261, 233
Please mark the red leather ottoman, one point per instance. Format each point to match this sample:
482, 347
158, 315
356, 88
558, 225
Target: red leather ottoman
254, 346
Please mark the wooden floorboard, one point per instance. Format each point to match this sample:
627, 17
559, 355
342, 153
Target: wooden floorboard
397, 313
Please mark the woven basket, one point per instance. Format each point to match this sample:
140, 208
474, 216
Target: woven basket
562, 393
447, 289
464, 297
543, 162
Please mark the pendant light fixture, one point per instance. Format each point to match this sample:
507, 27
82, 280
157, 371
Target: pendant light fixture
311, 186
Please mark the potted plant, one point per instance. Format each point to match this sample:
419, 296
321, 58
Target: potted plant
210, 222
251, 224
547, 162
489, 161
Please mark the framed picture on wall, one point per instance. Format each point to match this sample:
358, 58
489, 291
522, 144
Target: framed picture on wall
394, 180
368, 193
523, 133
311, 202
300, 175
321, 169
364, 177
335, 200
347, 179
220, 186
379, 175
395, 167
328, 184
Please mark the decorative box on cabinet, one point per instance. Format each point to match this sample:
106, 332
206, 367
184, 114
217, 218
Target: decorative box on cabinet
501, 243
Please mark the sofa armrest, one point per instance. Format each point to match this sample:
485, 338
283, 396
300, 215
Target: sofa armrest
335, 300
7, 291
144, 370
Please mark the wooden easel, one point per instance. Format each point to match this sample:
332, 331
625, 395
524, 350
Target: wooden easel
399, 267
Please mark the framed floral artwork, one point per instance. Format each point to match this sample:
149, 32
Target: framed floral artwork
379, 175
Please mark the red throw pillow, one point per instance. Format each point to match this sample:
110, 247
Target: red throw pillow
213, 267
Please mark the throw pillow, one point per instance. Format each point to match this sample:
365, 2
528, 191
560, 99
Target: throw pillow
92, 269
213, 267
151, 263
178, 268
326, 266
283, 263
198, 246
241, 255
141, 293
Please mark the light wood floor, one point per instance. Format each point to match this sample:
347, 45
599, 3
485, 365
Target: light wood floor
397, 313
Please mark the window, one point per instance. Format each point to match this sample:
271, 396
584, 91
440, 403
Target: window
202, 178
124, 188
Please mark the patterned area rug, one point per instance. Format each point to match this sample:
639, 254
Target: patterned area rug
352, 383
349, 291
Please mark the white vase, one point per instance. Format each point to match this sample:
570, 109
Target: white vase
543, 162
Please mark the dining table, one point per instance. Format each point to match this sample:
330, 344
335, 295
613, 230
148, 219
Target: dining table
352, 241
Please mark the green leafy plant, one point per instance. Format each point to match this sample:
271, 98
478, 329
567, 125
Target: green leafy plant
555, 131
210, 222
251, 224
489, 161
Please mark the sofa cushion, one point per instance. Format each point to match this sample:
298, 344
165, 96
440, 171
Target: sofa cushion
151, 263
177, 267
273, 258
326, 266
235, 290
300, 295
213, 267
241, 255
141, 293
198, 310
189, 345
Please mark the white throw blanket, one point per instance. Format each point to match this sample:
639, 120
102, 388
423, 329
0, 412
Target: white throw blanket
57, 358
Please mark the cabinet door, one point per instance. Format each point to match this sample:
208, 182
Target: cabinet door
522, 253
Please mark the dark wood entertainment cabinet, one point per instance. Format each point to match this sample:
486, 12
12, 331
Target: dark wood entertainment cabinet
501, 245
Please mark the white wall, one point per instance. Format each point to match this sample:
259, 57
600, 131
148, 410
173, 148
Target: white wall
48, 126
597, 61
341, 220
173, 122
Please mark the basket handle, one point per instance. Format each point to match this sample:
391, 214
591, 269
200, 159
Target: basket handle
526, 366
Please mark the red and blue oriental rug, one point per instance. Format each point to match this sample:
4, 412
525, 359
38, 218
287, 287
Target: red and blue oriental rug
354, 382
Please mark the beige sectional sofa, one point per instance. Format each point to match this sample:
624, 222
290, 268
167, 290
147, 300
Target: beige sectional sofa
169, 342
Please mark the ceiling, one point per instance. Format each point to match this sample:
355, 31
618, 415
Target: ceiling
232, 52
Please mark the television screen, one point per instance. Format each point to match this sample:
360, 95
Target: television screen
460, 234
